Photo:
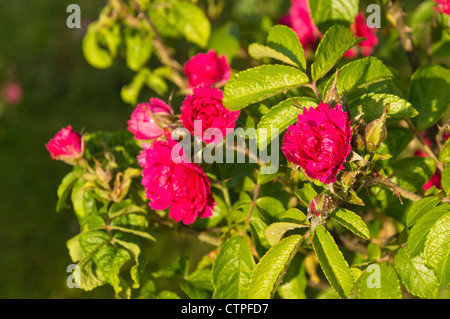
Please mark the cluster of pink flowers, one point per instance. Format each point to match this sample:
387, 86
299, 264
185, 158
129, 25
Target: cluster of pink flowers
319, 142
300, 20
182, 185
443, 6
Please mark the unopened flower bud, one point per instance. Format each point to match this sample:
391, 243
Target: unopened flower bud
376, 132
320, 205
358, 142
67, 145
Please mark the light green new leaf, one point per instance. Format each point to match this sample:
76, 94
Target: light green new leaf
429, 93
414, 274
281, 116
64, 190
446, 180
135, 251
284, 40
275, 231
93, 51
192, 22
374, 104
352, 222
232, 268
336, 41
421, 229
332, 262
259, 51
437, 249
326, 13
444, 156
259, 83
271, 268
138, 50
389, 284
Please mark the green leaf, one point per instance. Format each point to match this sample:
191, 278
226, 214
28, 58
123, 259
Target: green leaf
271, 208
412, 173
270, 270
420, 208
135, 251
444, 156
281, 116
82, 200
374, 104
64, 190
134, 232
283, 45
389, 284
294, 215
446, 180
421, 229
336, 41
232, 268
360, 73
332, 262
352, 222
306, 194
123, 208
326, 13
130, 93
294, 288
198, 285
225, 41
138, 50
93, 51
437, 249
74, 247
192, 23
415, 276
275, 231
259, 83
429, 94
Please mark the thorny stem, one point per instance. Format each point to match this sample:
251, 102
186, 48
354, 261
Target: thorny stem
313, 86
394, 187
255, 197
397, 18
427, 149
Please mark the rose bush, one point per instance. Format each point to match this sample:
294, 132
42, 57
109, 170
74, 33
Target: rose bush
353, 190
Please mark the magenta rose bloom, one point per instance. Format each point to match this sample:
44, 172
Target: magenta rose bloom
142, 122
183, 186
360, 29
67, 145
205, 104
207, 69
443, 6
299, 19
319, 142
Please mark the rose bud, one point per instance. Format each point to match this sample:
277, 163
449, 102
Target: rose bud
207, 69
148, 120
319, 142
320, 205
348, 179
67, 146
376, 131
358, 142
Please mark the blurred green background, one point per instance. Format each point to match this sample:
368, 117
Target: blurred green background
59, 89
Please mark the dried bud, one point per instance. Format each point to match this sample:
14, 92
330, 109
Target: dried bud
376, 131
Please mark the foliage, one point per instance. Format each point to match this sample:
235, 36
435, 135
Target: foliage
270, 232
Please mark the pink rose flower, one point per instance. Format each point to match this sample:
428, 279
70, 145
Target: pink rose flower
67, 145
443, 6
183, 186
360, 29
299, 19
205, 104
142, 123
12, 93
319, 142
207, 69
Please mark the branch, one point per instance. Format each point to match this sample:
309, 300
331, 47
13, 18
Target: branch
255, 197
393, 187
